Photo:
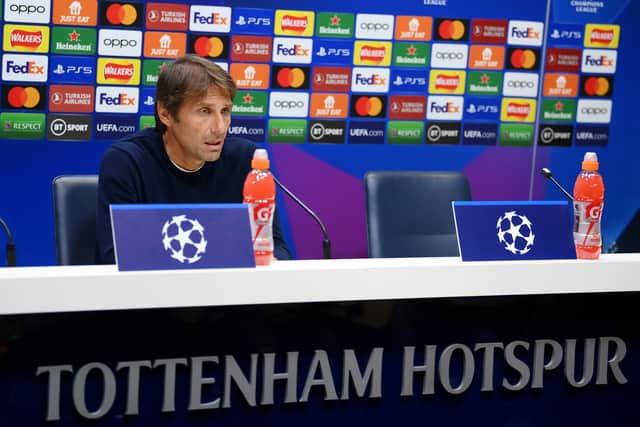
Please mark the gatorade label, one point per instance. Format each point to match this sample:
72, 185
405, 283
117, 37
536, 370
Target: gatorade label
261, 219
586, 228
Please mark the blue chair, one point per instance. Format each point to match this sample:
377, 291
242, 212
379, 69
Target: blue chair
75, 199
409, 213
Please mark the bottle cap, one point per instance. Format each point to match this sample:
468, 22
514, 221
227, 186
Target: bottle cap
590, 162
260, 159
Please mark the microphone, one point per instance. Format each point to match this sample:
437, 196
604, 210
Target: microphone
547, 174
11, 247
326, 243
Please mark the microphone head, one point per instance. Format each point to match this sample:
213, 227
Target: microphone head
546, 172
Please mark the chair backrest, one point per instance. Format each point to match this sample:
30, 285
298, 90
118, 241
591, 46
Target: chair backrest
409, 213
75, 199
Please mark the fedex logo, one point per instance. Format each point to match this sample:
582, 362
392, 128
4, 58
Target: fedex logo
445, 107
25, 68
252, 21
599, 61
292, 50
370, 79
527, 33
117, 99
216, 19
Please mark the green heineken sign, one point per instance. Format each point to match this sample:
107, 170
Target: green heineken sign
287, 130
516, 135
329, 24
147, 122
558, 110
250, 103
401, 132
484, 83
73, 40
151, 70
411, 54
22, 126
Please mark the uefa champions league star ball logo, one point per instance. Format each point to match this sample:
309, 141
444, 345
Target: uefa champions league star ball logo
515, 232
184, 239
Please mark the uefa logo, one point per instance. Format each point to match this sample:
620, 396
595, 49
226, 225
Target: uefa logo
183, 239
515, 233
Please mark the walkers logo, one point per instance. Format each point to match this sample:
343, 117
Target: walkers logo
445, 107
410, 54
555, 135
118, 71
411, 107
525, 33
71, 99
565, 85
480, 134
210, 19
25, 38
444, 55
250, 103
599, 61
451, 29
602, 36
164, 45
292, 50
24, 68
329, 105
370, 80
484, 83
287, 131
447, 82
167, 17
409, 80
16, 97
563, 59
283, 77
372, 53
251, 49
413, 28
443, 133
114, 128
594, 111
252, 21
294, 23
405, 132
121, 14
482, 109
216, 47
251, 129
368, 106
250, 76
151, 71
331, 79
523, 59
489, 31
74, 41
596, 86
119, 43
329, 24
147, 100
332, 52
518, 110
516, 135
486, 57
558, 110
566, 34
592, 136
77, 12
22, 125
69, 127
33, 11
520, 84
374, 27
117, 99
72, 69
327, 131
288, 104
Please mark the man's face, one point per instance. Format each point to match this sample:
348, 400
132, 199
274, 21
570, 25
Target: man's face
196, 134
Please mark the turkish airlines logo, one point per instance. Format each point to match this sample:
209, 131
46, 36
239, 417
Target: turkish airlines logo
119, 43
167, 17
594, 111
213, 19
411, 107
565, 85
368, 106
117, 99
370, 79
33, 11
121, 14
445, 55
445, 107
563, 59
488, 31
526, 33
292, 50
518, 110
250, 76
447, 81
331, 79
25, 68
599, 61
71, 99
603, 36
452, 29
288, 104
372, 53
294, 23
520, 84
375, 27
329, 105
251, 49
22, 38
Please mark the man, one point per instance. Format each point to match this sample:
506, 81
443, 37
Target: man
186, 158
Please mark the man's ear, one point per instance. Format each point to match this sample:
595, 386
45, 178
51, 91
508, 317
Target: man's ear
164, 114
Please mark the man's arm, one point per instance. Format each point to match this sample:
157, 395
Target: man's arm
280, 248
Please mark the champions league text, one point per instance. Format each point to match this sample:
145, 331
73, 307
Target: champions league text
269, 377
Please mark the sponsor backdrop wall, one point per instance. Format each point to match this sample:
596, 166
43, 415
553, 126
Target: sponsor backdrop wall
333, 89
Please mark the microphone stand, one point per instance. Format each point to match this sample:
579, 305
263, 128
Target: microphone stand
326, 243
547, 174
11, 247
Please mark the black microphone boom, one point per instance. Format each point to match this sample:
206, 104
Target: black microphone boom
11, 247
547, 174
326, 243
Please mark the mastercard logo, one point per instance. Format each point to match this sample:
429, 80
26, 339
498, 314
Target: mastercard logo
23, 97
449, 29
368, 106
290, 77
596, 86
523, 58
121, 14
208, 46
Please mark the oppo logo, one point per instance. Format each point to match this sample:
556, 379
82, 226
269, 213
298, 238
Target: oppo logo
28, 9
288, 104
449, 55
521, 84
120, 43
594, 110
374, 26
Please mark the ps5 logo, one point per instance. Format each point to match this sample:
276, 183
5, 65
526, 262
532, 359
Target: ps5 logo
72, 69
253, 20
322, 51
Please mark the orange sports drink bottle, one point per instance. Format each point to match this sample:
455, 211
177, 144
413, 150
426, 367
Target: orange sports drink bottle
259, 192
588, 195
